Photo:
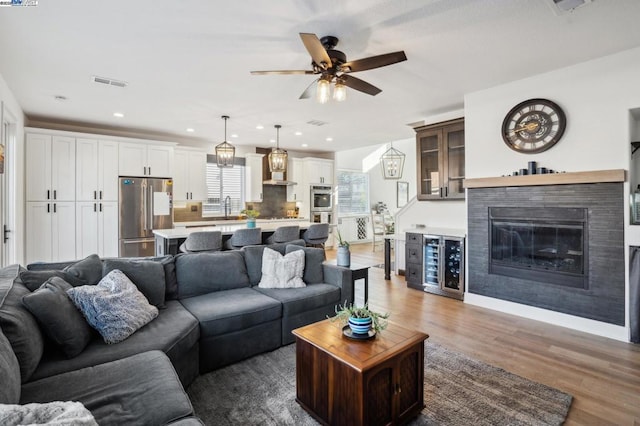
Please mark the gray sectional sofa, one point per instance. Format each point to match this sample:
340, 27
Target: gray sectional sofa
212, 314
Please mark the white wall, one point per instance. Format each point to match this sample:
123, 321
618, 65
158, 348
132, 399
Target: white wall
596, 97
10, 107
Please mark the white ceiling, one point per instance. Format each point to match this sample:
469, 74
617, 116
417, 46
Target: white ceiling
188, 62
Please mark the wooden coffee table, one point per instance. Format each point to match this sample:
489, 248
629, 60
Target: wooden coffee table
359, 382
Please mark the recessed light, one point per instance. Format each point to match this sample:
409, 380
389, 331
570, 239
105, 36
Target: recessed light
329, 139
259, 127
118, 114
235, 135
298, 133
304, 145
190, 130
272, 140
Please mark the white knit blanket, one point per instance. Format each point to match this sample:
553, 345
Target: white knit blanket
67, 413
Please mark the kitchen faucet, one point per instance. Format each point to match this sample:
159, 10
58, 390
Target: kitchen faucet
227, 207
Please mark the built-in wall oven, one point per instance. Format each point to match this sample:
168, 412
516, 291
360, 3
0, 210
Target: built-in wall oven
321, 198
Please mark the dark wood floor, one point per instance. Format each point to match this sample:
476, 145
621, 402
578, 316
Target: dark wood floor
603, 375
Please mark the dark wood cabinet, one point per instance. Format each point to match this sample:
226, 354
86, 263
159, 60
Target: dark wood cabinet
440, 160
413, 260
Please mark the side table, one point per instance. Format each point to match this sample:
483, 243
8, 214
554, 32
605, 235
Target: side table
358, 272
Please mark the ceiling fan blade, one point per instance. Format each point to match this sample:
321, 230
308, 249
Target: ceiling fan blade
308, 92
316, 49
375, 61
282, 72
360, 85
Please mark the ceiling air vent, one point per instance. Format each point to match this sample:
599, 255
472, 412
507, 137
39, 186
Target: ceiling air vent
565, 6
109, 81
317, 123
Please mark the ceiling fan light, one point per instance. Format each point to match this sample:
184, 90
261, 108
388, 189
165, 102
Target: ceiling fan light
392, 163
323, 91
225, 152
339, 92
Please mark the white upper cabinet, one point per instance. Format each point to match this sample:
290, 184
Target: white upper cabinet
97, 170
253, 178
189, 175
50, 163
318, 171
295, 173
140, 159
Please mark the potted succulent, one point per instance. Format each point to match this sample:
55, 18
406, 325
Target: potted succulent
360, 319
251, 216
343, 257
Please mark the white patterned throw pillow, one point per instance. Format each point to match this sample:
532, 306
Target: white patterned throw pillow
115, 307
280, 271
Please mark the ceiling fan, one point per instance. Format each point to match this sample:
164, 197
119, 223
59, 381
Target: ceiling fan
332, 65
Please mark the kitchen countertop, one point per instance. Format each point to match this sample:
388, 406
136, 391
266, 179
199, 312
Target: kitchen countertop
228, 228
234, 221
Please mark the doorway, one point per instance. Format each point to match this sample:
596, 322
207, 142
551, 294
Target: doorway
7, 187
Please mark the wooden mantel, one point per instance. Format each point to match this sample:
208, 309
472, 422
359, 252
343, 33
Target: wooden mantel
597, 176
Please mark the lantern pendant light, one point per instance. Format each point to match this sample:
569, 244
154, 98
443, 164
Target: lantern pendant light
277, 156
225, 152
392, 163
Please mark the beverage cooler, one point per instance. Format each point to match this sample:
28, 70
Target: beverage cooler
444, 265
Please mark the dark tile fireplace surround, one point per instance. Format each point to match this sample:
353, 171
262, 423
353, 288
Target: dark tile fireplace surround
556, 247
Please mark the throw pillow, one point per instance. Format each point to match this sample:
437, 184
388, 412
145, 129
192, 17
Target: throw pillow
147, 275
114, 307
58, 317
314, 258
33, 280
17, 323
280, 271
89, 269
50, 413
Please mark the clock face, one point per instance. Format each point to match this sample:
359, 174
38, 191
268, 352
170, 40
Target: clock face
533, 126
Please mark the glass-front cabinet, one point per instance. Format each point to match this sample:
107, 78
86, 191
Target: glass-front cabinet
440, 156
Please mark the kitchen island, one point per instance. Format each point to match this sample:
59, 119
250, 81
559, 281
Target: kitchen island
168, 240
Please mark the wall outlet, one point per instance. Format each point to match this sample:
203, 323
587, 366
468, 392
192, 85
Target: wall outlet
194, 208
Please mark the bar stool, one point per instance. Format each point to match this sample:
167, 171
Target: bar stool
284, 234
316, 235
244, 237
202, 241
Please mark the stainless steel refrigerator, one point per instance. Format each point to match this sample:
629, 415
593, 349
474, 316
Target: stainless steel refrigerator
145, 204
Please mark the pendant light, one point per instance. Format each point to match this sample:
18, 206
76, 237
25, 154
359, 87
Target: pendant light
277, 156
225, 152
392, 163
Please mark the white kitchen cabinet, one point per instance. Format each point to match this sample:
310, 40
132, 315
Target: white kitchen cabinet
97, 170
318, 170
97, 228
253, 177
189, 175
50, 232
50, 164
140, 159
295, 173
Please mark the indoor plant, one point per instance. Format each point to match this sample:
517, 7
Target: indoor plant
360, 318
343, 257
251, 216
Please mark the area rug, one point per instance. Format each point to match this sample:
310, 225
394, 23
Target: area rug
458, 390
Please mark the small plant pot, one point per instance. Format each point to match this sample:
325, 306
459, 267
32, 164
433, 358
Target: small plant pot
360, 325
251, 222
343, 257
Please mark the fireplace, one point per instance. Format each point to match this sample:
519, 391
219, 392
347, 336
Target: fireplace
546, 244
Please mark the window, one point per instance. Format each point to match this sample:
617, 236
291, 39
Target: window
353, 192
223, 183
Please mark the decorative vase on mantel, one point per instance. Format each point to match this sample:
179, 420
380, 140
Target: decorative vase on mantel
343, 257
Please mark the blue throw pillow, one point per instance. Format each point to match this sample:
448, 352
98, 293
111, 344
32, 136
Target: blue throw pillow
114, 306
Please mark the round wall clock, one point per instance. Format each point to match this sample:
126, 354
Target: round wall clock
534, 125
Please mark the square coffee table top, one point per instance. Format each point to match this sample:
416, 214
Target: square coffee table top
360, 355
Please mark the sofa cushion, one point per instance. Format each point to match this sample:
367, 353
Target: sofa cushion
175, 331
50, 413
58, 317
313, 258
304, 299
34, 279
147, 275
10, 373
232, 310
17, 323
280, 271
89, 269
201, 273
253, 257
114, 307
142, 389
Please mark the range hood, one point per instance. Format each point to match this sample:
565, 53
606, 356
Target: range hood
277, 178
